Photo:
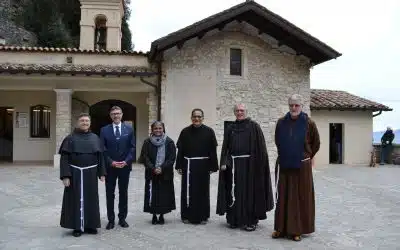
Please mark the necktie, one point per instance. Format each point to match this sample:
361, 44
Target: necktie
117, 132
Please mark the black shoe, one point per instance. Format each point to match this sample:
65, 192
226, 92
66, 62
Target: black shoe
77, 233
154, 220
123, 223
110, 225
91, 230
161, 220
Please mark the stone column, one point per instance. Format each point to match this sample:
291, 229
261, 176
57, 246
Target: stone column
152, 102
63, 119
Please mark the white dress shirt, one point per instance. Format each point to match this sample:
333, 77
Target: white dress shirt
119, 126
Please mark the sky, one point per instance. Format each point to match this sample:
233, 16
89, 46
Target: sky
364, 31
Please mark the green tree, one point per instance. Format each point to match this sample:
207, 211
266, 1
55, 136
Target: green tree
126, 39
42, 18
70, 11
56, 23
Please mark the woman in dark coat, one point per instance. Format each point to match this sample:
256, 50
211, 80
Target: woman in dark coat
158, 156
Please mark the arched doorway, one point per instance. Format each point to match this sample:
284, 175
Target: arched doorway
100, 114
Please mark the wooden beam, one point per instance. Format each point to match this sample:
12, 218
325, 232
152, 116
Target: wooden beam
201, 35
221, 26
179, 45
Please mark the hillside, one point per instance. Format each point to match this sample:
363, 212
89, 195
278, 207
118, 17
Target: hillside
48, 23
9, 30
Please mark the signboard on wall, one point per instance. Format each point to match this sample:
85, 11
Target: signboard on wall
21, 120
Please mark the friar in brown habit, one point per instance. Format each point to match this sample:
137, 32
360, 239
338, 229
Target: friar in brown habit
297, 140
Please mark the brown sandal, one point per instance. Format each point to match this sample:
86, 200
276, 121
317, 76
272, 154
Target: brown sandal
297, 238
276, 235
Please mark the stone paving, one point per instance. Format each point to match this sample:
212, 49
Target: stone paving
357, 208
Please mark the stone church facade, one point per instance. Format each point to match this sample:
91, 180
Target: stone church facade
245, 54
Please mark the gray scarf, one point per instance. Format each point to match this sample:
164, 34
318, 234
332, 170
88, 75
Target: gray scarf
159, 142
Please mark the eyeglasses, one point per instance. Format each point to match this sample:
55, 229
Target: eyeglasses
197, 116
240, 110
115, 114
294, 105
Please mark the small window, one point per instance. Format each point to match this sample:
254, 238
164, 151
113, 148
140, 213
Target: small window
236, 62
40, 121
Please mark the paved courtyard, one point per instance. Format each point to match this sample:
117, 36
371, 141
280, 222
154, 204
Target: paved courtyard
357, 208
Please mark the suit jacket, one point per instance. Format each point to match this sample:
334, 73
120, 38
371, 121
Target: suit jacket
118, 149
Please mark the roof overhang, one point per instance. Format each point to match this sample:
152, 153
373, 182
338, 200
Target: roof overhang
372, 109
258, 16
338, 100
76, 70
71, 51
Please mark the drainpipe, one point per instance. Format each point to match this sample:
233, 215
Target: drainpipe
148, 83
379, 113
159, 79
157, 87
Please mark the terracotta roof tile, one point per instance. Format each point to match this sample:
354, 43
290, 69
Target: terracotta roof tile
69, 50
74, 69
341, 100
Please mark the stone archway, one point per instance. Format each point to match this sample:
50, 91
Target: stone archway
100, 114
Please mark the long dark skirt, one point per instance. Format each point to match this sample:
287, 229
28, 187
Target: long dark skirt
237, 212
159, 197
198, 207
295, 209
71, 204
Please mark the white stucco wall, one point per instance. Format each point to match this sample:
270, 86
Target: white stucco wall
357, 135
198, 76
24, 147
77, 58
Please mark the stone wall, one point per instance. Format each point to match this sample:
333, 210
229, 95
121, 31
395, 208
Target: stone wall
394, 157
270, 76
12, 33
63, 115
152, 102
77, 107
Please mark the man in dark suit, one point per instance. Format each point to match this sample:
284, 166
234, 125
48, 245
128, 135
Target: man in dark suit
119, 143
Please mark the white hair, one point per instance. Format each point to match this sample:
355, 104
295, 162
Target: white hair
236, 105
297, 98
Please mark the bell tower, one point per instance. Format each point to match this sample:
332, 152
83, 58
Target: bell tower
101, 24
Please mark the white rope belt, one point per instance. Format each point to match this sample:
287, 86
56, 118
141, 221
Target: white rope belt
150, 192
82, 200
188, 175
233, 175
277, 180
